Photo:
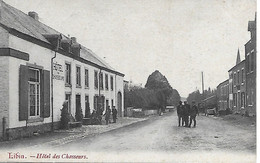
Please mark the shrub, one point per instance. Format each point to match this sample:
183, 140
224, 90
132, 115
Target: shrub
78, 114
65, 117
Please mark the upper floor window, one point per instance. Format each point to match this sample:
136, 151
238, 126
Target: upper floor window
238, 77
96, 80
112, 83
101, 81
34, 92
252, 61
86, 78
78, 76
242, 75
106, 81
234, 78
68, 74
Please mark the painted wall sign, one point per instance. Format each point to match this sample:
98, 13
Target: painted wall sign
58, 73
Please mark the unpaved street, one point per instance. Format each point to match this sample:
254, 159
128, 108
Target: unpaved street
162, 134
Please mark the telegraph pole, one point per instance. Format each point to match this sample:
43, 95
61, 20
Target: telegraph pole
202, 84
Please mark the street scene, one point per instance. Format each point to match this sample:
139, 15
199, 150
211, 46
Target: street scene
128, 81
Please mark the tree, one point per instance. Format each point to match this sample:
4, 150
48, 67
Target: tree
65, 117
164, 92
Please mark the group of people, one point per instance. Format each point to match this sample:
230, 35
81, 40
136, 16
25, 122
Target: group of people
187, 114
96, 117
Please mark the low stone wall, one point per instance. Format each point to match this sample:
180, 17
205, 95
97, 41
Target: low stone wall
15, 133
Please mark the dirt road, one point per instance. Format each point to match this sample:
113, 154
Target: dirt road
163, 134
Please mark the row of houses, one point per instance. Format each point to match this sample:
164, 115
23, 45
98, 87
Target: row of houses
40, 68
238, 92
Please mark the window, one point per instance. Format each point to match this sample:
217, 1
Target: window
106, 81
101, 81
242, 75
86, 78
235, 99
87, 108
243, 99
252, 62
112, 103
34, 92
68, 99
67, 74
111, 83
95, 102
238, 77
247, 63
234, 78
78, 77
96, 80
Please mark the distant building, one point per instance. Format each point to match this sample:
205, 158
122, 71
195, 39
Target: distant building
40, 68
250, 68
223, 95
237, 86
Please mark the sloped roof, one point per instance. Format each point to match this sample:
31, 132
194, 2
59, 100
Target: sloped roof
16, 19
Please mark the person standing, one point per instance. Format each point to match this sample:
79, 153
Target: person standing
186, 111
193, 113
114, 113
107, 115
180, 113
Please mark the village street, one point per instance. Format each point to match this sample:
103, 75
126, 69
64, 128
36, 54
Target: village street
213, 136
161, 133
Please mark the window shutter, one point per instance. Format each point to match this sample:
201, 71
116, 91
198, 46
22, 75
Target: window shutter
23, 93
45, 108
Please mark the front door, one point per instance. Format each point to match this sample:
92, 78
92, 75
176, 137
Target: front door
119, 104
78, 103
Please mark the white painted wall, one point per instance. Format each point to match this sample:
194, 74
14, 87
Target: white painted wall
42, 57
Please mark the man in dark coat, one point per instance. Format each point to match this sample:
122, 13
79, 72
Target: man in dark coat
193, 113
114, 114
180, 113
107, 115
186, 111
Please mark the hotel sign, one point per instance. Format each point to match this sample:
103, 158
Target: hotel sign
58, 73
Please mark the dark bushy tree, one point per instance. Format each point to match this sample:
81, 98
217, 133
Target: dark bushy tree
65, 117
78, 114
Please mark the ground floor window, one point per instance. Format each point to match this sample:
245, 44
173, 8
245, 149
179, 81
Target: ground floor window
235, 99
68, 99
34, 92
243, 99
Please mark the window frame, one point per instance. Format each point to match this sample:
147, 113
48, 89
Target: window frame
78, 76
111, 82
67, 74
86, 78
37, 107
96, 79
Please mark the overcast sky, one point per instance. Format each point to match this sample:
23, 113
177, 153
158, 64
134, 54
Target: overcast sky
180, 38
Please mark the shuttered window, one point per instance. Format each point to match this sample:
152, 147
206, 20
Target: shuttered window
34, 93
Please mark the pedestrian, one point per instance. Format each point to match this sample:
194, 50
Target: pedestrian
186, 112
114, 113
193, 113
107, 115
179, 113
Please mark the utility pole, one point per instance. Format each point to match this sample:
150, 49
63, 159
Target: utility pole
202, 84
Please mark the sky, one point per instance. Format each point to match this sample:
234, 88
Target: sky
180, 38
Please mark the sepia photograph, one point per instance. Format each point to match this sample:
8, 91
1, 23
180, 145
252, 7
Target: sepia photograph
128, 81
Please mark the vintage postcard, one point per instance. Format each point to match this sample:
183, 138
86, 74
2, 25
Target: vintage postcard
128, 81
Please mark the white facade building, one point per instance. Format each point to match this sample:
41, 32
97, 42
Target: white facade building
29, 53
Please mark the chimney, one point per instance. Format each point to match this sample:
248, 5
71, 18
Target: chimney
74, 40
34, 15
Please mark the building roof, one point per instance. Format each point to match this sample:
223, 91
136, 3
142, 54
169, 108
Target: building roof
13, 18
236, 65
226, 81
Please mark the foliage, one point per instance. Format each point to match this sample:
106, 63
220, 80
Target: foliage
157, 93
78, 114
65, 117
87, 111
